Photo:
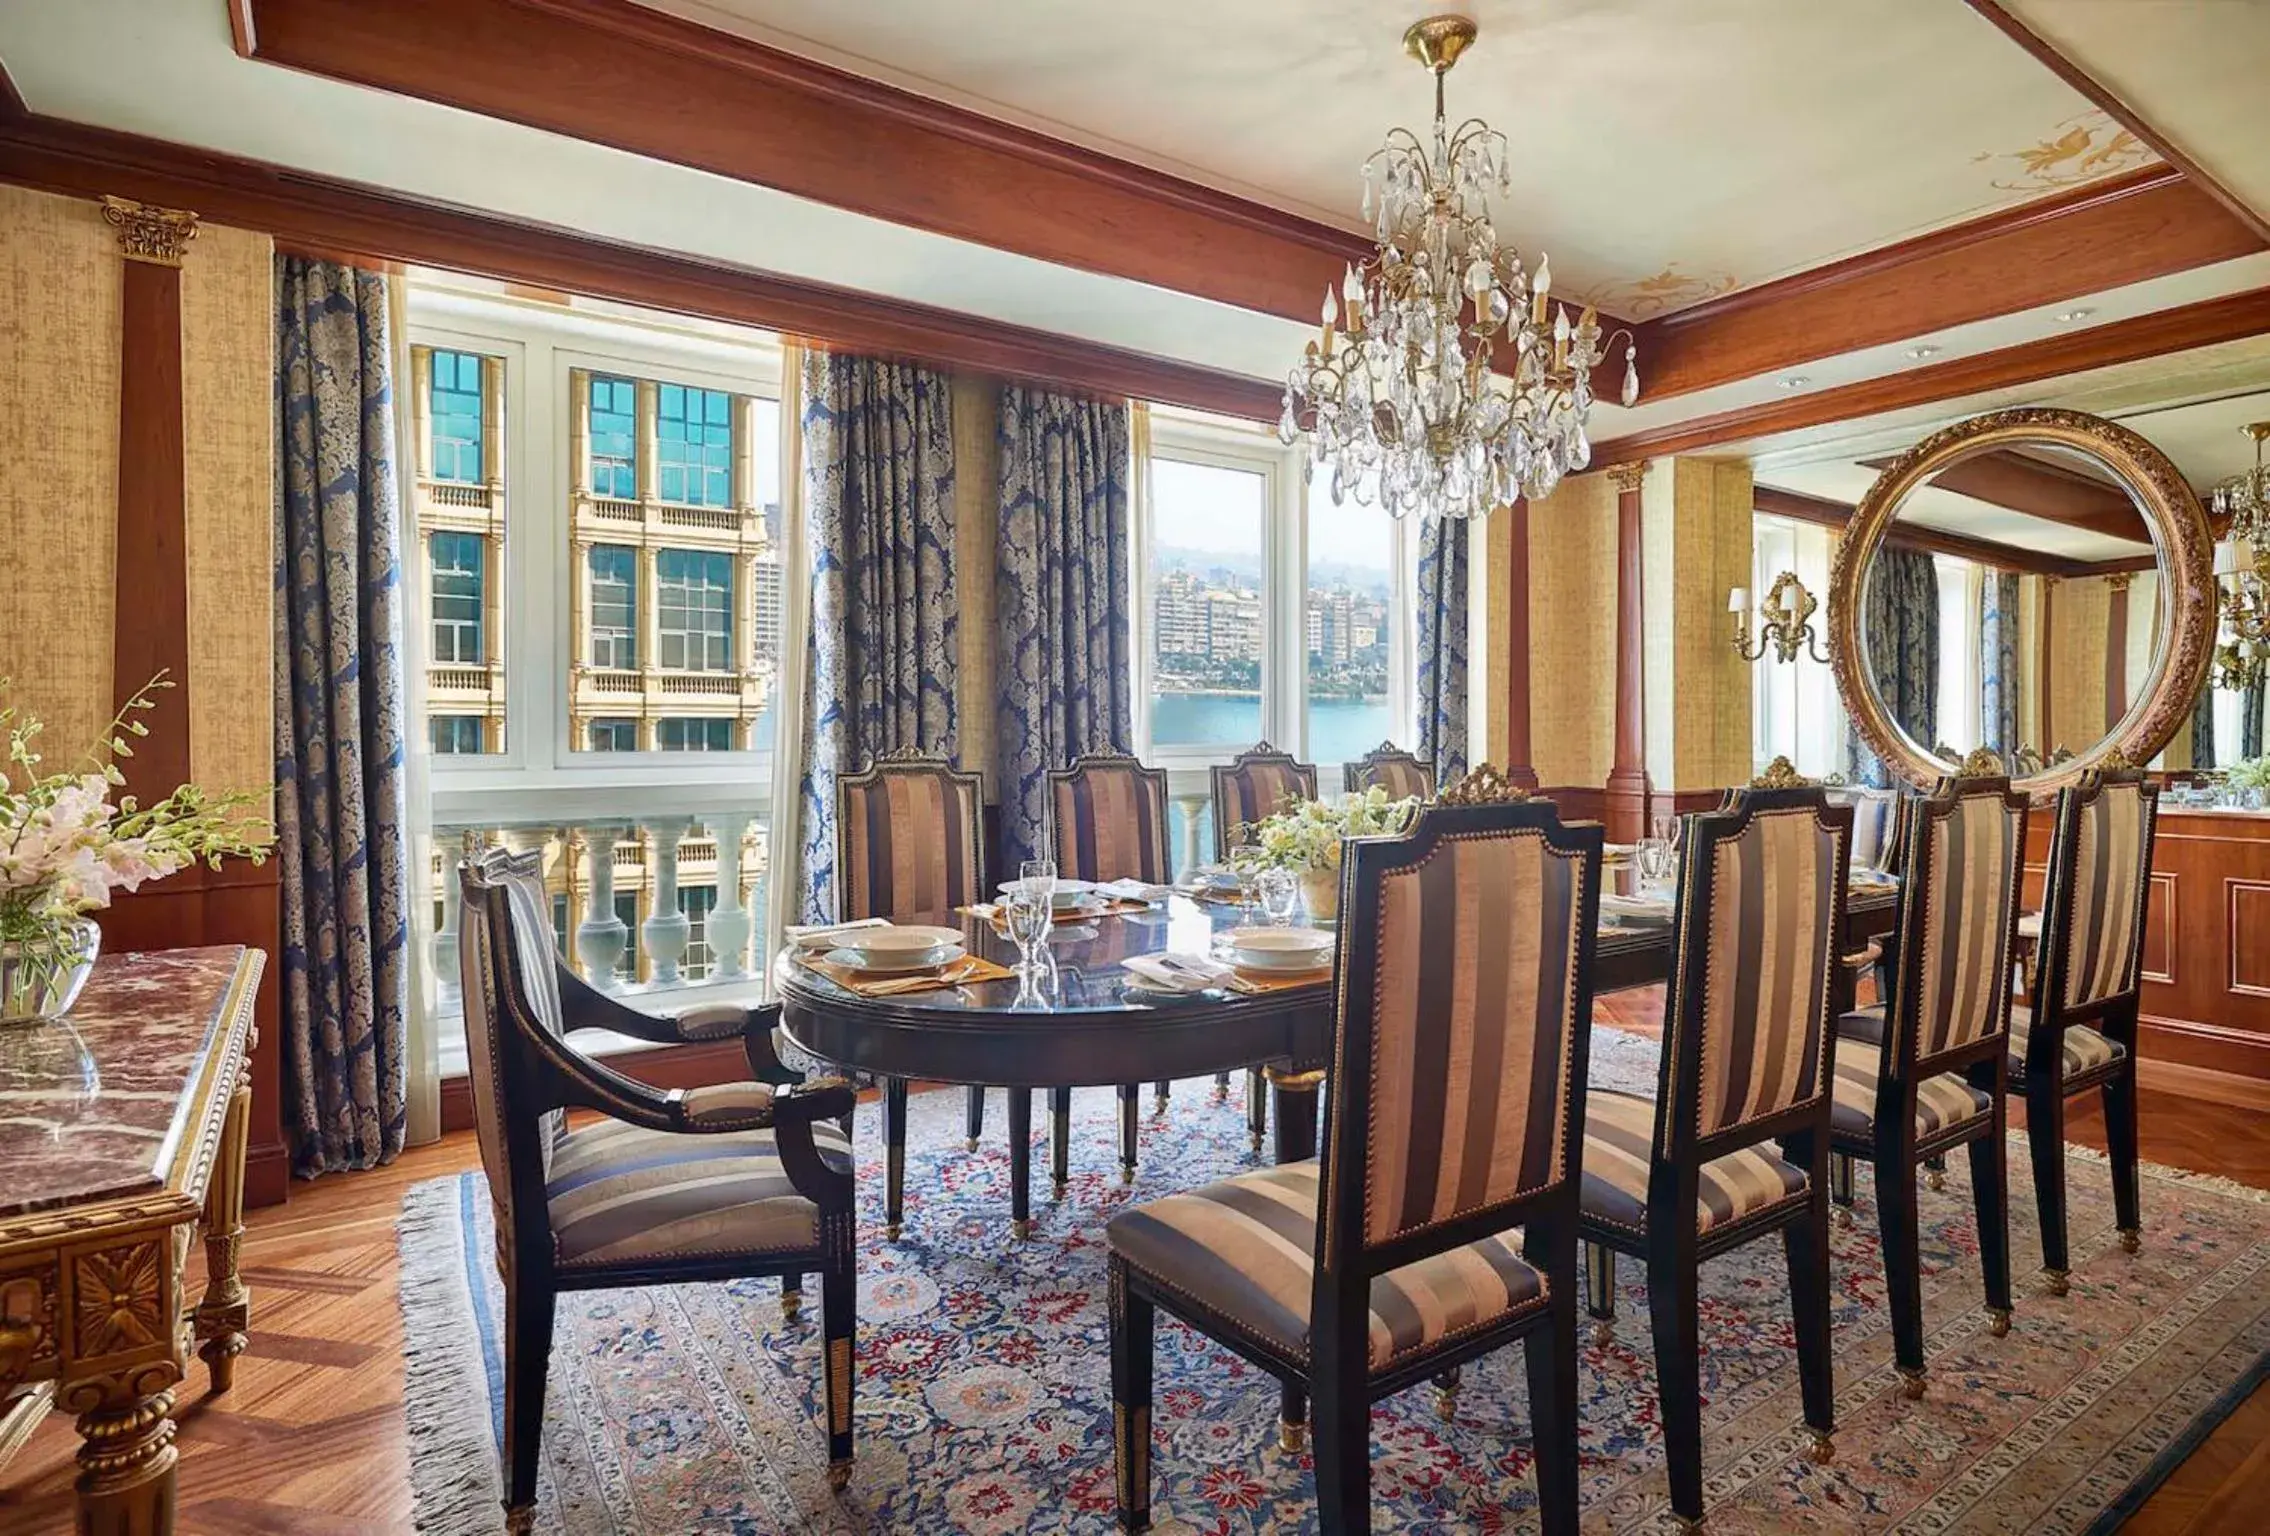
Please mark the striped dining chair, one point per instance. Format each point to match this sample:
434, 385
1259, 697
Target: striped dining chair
1735, 1144
1927, 1073
1107, 820
1387, 766
1440, 1223
1255, 784
2077, 1030
908, 830
694, 1185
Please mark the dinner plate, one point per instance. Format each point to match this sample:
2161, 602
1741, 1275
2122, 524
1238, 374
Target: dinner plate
1069, 894
1281, 949
909, 963
897, 942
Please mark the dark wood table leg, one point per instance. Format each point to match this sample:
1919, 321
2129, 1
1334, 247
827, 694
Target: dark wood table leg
1296, 1112
1128, 1129
1021, 1162
894, 1155
1060, 1128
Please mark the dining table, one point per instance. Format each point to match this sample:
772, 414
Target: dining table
1083, 1019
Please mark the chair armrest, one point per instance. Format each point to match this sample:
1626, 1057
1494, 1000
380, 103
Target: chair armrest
583, 1006
1862, 959
761, 1106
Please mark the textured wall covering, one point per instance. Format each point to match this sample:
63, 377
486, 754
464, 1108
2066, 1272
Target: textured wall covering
2079, 611
1696, 520
59, 370
1572, 632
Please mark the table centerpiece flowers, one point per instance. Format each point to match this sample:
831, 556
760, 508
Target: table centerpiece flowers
64, 848
1306, 835
2248, 781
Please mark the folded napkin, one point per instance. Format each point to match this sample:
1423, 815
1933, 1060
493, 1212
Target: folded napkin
1179, 973
1254, 983
2029, 926
829, 931
969, 968
1863, 875
992, 913
1135, 890
1640, 908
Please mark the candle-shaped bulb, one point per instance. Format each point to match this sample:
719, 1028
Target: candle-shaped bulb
1542, 283
1331, 306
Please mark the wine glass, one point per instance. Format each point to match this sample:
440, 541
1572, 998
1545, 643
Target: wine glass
1280, 892
1029, 910
1245, 863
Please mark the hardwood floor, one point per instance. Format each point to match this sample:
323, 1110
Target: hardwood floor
311, 1441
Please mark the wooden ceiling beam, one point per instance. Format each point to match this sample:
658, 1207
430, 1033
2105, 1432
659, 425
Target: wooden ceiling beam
343, 220
1823, 512
2210, 321
2054, 59
2018, 482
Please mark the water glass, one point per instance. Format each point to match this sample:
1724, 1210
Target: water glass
1245, 863
1280, 892
1029, 910
1654, 859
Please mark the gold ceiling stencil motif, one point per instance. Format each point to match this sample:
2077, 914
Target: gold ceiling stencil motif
1667, 290
2079, 149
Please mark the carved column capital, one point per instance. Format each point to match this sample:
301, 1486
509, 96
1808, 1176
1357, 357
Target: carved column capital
149, 233
1627, 477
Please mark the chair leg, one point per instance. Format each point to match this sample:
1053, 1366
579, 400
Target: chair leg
1060, 1131
1841, 1186
527, 1360
1990, 1191
1600, 1292
1221, 1086
791, 1297
894, 1156
1805, 1245
1935, 1173
976, 1117
1903, 1262
1671, 1309
1256, 1106
1343, 1457
1159, 1101
1130, 1117
839, 1318
1550, 1355
1292, 1418
2120, 1144
1131, 1326
1021, 1162
2045, 1135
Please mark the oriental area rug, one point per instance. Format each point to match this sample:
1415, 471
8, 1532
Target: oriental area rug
984, 1385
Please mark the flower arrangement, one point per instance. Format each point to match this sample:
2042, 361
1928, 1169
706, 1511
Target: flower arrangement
64, 848
2250, 773
1306, 835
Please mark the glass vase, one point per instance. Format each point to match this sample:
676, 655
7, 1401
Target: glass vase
1320, 893
41, 978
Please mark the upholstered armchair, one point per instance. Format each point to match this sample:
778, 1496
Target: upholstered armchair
1404, 1252
1387, 766
701, 1184
1107, 820
1255, 784
909, 829
1734, 1146
1924, 1072
2077, 1029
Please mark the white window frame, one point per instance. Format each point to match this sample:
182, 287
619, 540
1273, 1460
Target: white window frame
1187, 437
1794, 706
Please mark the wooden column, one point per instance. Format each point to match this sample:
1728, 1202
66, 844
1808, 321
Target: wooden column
1627, 779
150, 628
1520, 768
2116, 648
2045, 645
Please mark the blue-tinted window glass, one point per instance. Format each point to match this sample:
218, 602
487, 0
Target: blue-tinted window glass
614, 437
613, 735
454, 734
694, 735
626, 913
454, 406
458, 561
697, 902
694, 445
614, 606
694, 607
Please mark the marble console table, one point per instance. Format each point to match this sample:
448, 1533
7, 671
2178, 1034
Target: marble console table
122, 1133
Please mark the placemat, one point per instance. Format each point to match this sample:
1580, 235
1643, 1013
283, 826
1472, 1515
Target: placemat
970, 968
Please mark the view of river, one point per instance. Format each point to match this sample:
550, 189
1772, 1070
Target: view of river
1339, 730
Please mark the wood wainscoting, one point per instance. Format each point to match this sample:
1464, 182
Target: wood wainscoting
2205, 1028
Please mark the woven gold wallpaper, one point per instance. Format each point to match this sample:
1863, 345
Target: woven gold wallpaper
2079, 611
1572, 632
59, 371
1696, 529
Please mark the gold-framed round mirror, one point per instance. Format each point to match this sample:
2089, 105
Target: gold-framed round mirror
2078, 660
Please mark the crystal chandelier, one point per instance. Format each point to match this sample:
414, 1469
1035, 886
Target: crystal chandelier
2242, 660
2245, 500
1445, 380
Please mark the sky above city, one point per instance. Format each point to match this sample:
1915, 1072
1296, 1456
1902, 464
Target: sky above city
1208, 509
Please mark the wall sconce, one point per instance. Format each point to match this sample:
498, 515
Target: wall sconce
1788, 614
2243, 660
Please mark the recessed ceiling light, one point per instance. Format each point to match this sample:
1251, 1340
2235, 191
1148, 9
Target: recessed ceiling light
1795, 381
2068, 316
1919, 353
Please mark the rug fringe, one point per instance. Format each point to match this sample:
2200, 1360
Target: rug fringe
454, 1477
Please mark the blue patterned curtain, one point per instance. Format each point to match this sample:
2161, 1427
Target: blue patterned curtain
1899, 623
1442, 647
1998, 664
2250, 722
339, 709
1060, 598
2203, 727
879, 526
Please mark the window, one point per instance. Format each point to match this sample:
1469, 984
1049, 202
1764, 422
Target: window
694, 608
694, 735
614, 607
560, 920
626, 913
697, 902
614, 438
1961, 596
1206, 603
454, 733
1348, 628
456, 561
1794, 708
613, 736
694, 446
454, 411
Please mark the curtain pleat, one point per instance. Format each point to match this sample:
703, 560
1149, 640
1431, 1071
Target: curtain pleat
1442, 647
879, 519
1064, 653
339, 714
1998, 652
1899, 621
